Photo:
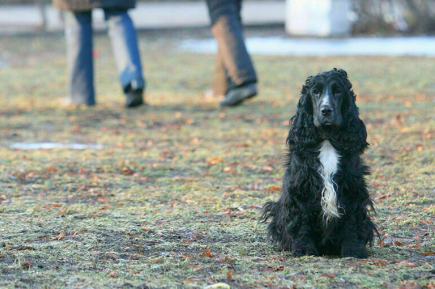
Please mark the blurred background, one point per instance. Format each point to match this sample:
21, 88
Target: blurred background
407, 17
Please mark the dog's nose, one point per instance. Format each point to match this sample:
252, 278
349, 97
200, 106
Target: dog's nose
326, 110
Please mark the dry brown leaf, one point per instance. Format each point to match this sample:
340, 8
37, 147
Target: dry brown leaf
51, 169
25, 248
429, 285
112, 274
7, 247
328, 275
278, 268
112, 256
197, 268
382, 197
274, 189
104, 208
60, 236
146, 229
428, 253
127, 171
206, 253
155, 260
230, 274
406, 263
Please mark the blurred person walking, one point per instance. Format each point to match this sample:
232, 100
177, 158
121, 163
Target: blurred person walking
235, 75
78, 33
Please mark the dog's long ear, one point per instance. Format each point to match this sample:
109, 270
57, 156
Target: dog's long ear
302, 132
354, 134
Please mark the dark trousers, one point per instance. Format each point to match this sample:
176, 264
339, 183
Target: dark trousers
78, 31
234, 67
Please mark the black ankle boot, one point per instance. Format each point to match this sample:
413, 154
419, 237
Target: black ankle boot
238, 95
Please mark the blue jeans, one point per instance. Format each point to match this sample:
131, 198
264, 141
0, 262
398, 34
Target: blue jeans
233, 62
78, 31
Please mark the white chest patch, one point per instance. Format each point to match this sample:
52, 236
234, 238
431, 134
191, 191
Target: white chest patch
329, 158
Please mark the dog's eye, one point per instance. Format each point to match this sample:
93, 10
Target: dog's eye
316, 92
337, 93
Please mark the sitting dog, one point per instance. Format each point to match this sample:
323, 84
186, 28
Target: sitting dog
323, 207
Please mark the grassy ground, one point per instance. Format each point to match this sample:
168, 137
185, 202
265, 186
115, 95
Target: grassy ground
173, 198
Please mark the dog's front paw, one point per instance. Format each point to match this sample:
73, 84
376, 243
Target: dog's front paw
356, 252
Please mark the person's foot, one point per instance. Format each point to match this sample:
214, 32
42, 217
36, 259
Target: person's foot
238, 95
134, 98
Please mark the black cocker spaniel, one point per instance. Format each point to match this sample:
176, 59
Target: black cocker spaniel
324, 205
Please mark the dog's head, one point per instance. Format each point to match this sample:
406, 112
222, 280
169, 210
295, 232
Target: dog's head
327, 110
327, 93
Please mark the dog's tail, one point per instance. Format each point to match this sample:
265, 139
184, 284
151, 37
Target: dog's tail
277, 228
268, 211
369, 226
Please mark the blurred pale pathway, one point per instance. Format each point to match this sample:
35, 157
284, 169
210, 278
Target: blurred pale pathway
145, 16
390, 46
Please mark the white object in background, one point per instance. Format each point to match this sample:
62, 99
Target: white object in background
318, 17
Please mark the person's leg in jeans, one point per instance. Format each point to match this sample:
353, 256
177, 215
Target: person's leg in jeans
220, 81
228, 31
126, 50
78, 32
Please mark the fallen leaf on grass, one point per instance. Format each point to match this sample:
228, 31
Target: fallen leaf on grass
230, 274
1, 255
189, 281
426, 209
146, 229
25, 248
198, 268
154, 260
78, 233
112, 256
328, 275
214, 160
104, 208
112, 274
429, 285
127, 171
428, 253
382, 197
60, 236
406, 263
274, 189
206, 253
7, 246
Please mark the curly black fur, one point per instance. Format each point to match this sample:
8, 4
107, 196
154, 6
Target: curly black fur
296, 218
